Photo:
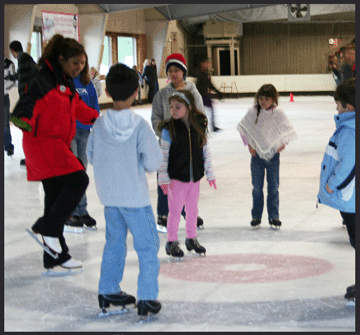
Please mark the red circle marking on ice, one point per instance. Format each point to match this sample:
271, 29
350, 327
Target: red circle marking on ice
245, 268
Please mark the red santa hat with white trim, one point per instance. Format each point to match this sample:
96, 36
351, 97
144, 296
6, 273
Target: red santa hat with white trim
177, 60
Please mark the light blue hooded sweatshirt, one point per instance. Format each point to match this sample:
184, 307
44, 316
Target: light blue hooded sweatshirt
122, 147
338, 166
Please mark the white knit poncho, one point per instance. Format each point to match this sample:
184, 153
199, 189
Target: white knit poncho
272, 130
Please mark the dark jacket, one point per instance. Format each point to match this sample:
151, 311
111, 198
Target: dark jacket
203, 84
185, 154
47, 115
150, 74
26, 70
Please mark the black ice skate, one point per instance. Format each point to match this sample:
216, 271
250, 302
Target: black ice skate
117, 299
255, 223
193, 244
73, 225
200, 223
350, 294
275, 223
162, 224
146, 307
173, 250
88, 222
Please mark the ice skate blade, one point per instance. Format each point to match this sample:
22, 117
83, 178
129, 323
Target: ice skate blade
195, 254
55, 273
275, 227
45, 247
76, 230
177, 259
91, 228
147, 319
256, 227
104, 313
161, 229
200, 227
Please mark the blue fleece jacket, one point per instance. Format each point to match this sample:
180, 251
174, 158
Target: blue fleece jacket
89, 95
122, 147
338, 166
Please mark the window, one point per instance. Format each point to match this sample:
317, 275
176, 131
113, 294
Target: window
35, 45
106, 61
126, 50
120, 48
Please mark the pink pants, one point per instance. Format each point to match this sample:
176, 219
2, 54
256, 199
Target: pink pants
181, 194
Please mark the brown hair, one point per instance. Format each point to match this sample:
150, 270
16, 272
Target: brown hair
68, 48
197, 119
267, 90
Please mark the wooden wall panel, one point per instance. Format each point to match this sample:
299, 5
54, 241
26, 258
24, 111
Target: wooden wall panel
285, 48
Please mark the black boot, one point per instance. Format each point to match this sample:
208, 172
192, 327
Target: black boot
172, 249
193, 244
255, 222
146, 306
117, 299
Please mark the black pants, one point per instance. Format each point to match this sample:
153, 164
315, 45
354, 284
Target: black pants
62, 195
349, 219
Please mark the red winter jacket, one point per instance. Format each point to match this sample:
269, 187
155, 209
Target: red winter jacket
51, 107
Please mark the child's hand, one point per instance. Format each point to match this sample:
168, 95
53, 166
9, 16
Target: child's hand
165, 188
281, 148
328, 189
212, 183
252, 151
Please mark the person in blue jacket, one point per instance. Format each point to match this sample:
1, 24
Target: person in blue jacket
87, 92
337, 178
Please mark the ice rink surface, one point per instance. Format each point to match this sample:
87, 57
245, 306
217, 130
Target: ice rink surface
292, 279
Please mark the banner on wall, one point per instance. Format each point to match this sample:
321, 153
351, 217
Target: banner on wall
65, 24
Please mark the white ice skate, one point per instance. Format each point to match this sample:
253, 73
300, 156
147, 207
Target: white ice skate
51, 244
67, 268
161, 229
73, 229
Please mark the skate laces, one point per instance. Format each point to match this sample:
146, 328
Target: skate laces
196, 242
175, 246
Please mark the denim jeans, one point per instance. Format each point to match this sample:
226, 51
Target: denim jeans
141, 223
7, 134
78, 146
258, 167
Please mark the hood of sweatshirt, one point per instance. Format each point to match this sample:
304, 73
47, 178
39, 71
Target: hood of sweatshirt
121, 124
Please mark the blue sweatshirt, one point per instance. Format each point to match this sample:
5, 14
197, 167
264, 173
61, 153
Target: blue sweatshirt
122, 147
338, 166
89, 95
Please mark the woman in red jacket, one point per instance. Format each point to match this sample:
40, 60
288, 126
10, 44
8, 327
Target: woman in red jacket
47, 114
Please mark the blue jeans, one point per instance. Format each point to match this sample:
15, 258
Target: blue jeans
141, 223
78, 147
7, 134
258, 167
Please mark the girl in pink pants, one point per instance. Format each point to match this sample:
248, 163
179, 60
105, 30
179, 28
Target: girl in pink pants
186, 159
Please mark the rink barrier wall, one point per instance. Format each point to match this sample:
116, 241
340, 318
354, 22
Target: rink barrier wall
304, 83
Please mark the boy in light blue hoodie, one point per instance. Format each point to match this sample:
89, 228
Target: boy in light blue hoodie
337, 178
122, 147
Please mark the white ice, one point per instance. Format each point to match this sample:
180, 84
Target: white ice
311, 303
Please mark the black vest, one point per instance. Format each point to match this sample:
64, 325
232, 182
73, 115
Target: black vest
184, 153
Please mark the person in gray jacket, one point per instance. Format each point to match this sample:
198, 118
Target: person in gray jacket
176, 70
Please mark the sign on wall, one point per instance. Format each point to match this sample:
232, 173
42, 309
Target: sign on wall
65, 24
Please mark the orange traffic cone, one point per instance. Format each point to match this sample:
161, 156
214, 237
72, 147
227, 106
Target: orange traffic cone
291, 97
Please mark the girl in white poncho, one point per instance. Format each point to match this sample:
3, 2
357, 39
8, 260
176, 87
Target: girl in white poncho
265, 129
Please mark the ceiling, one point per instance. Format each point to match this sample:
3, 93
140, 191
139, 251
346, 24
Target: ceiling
192, 16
